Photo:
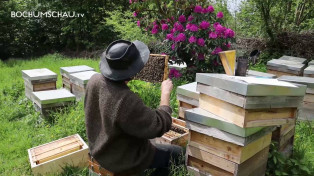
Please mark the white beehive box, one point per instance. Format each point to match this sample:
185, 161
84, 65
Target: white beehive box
52, 157
79, 82
66, 71
38, 80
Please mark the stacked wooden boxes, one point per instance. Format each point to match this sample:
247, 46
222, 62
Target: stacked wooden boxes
38, 80
306, 112
66, 71
50, 100
253, 73
231, 131
79, 82
188, 98
311, 63
286, 65
50, 158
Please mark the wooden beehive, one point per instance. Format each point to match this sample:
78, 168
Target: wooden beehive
155, 70
50, 100
284, 138
66, 71
249, 102
253, 73
201, 162
38, 80
52, 157
309, 71
188, 98
280, 67
79, 82
177, 135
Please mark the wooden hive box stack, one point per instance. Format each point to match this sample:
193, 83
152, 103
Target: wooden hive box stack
231, 131
38, 80
50, 100
286, 65
66, 71
188, 97
311, 63
50, 158
79, 82
306, 112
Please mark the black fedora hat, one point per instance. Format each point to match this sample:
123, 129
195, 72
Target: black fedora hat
123, 59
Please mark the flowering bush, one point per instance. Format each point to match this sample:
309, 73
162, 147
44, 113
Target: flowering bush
195, 32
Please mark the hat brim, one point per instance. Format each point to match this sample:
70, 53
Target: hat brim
135, 67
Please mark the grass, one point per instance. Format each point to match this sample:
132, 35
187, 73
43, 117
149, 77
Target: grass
22, 127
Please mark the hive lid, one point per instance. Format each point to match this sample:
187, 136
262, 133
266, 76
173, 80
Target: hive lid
52, 96
206, 118
254, 73
38, 74
309, 70
249, 86
293, 59
75, 69
309, 82
285, 65
188, 90
81, 78
311, 63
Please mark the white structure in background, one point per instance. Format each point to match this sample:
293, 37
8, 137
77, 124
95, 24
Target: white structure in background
177, 66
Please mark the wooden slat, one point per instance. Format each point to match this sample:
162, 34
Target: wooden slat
166, 70
309, 98
279, 73
178, 122
227, 150
245, 118
44, 86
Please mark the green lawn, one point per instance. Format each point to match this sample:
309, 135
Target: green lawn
22, 128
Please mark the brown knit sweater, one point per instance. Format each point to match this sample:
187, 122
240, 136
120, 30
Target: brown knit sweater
119, 126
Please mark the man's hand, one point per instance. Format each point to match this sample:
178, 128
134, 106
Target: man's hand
166, 88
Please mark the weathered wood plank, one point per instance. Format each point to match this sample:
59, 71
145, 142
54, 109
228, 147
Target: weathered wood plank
201, 116
246, 118
294, 59
309, 82
227, 150
309, 98
309, 71
260, 74
196, 172
250, 102
188, 90
188, 100
285, 65
249, 86
306, 114
205, 168
228, 137
178, 122
311, 63
279, 73
81, 78
66, 71
254, 165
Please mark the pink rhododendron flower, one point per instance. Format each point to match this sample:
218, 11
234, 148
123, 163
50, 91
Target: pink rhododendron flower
182, 19
173, 46
204, 25
228, 45
192, 39
229, 33
210, 9
220, 15
219, 29
188, 26
181, 37
216, 24
201, 56
201, 42
154, 31
213, 35
174, 73
198, 9
170, 36
173, 30
164, 27
135, 14
138, 23
193, 28
130, 1
178, 27
216, 51
190, 18
205, 10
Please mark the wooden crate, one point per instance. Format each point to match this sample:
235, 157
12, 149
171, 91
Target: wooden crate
66, 83
155, 70
50, 158
247, 118
227, 150
38, 80
284, 137
79, 82
173, 137
207, 163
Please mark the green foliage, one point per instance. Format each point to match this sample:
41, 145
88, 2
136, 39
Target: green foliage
124, 25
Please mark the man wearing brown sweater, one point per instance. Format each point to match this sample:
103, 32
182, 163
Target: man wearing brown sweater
118, 123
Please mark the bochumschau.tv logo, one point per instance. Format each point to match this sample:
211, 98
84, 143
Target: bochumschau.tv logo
48, 14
